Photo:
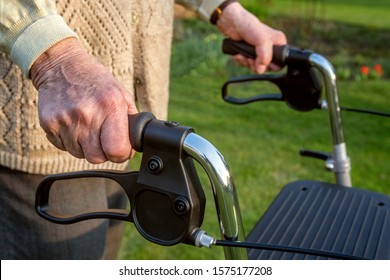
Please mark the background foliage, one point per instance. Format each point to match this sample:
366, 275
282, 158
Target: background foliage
261, 141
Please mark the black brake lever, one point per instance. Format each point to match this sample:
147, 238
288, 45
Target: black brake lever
166, 198
44, 209
300, 87
274, 78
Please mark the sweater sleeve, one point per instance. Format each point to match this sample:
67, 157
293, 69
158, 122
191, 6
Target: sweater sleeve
28, 28
204, 8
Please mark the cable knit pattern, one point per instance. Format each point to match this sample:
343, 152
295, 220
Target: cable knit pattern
115, 32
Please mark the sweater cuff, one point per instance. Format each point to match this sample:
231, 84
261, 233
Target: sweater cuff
207, 8
37, 38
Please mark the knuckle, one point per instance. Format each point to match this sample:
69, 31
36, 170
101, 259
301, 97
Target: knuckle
280, 37
76, 153
117, 154
95, 160
114, 96
91, 147
52, 120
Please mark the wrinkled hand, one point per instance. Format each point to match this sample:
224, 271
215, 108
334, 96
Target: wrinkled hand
82, 108
239, 24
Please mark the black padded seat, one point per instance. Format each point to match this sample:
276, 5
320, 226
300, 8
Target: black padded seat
323, 216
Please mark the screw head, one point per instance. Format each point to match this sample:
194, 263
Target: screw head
181, 205
155, 165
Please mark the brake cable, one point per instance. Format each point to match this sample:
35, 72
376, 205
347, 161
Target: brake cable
364, 111
288, 249
202, 239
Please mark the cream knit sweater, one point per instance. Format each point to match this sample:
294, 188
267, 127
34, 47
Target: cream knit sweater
131, 38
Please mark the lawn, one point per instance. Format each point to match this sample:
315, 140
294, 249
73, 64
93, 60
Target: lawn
261, 141
375, 13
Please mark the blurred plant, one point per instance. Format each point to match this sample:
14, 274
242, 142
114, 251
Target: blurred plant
362, 73
370, 73
379, 70
344, 73
306, 12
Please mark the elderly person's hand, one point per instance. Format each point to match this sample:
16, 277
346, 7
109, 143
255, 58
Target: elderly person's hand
82, 108
239, 24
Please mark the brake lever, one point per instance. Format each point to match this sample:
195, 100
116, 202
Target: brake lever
301, 86
124, 179
274, 78
167, 202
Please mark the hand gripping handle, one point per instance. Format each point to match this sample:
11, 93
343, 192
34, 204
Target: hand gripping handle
231, 47
166, 197
137, 125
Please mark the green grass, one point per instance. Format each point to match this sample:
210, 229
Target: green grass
363, 12
261, 141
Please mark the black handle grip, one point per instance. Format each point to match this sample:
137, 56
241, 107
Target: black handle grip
232, 47
137, 124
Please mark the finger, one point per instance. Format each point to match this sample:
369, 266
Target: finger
256, 68
115, 139
241, 60
274, 67
279, 38
264, 57
130, 100
56, 141
70, 143
133, 152
73, 148
92, 148
260, 69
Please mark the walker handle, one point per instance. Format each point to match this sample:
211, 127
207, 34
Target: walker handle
231, 47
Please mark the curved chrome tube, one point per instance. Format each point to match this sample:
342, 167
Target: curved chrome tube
342, 165
214, 164
225, 196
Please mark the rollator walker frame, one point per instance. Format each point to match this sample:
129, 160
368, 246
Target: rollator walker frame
307, 220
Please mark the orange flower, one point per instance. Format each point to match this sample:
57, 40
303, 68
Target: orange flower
364, 70
378, 69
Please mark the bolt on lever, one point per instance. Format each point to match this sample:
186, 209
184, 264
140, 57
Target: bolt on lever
322, 73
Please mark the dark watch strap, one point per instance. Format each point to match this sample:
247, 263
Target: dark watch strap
218, 11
